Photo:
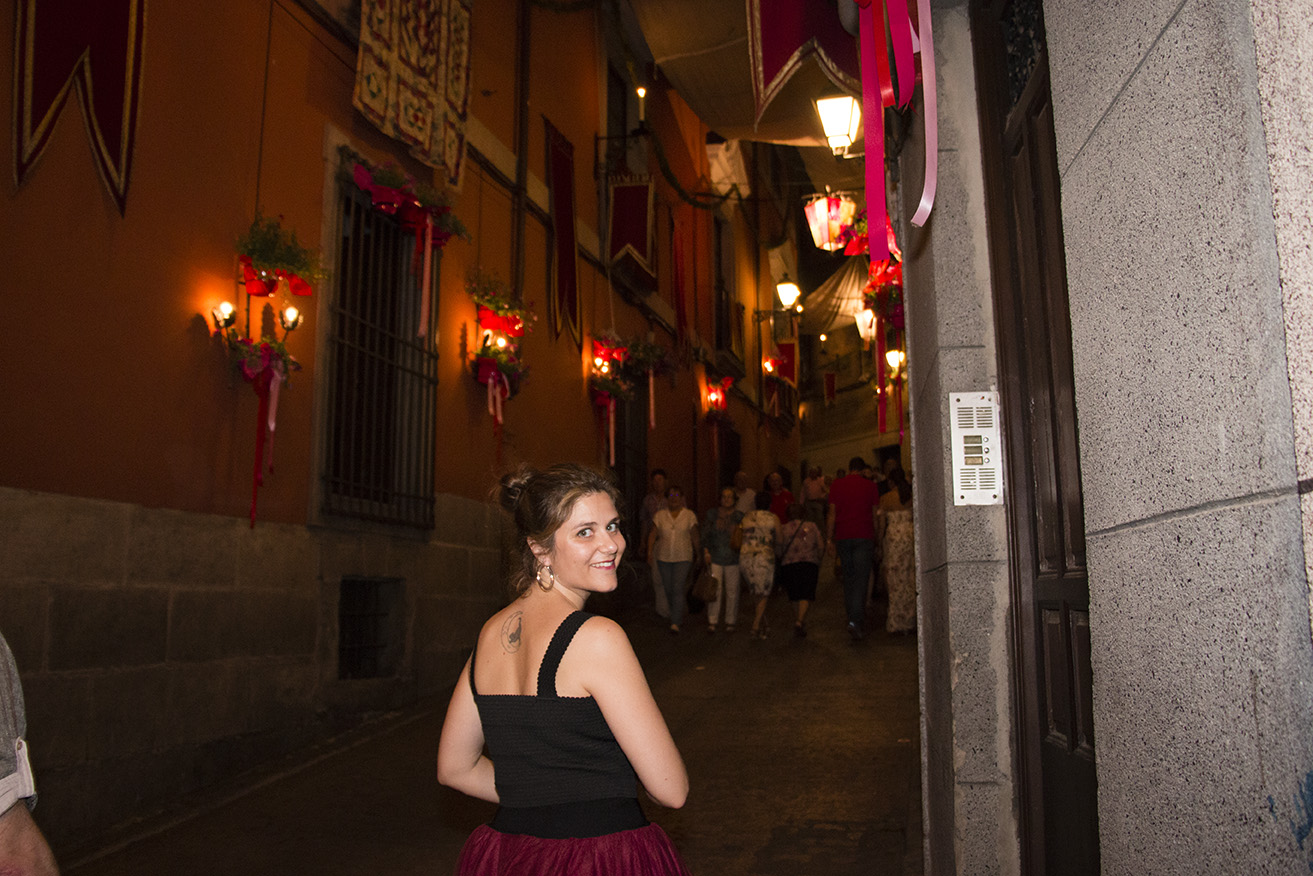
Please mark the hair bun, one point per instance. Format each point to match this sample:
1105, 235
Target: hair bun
512, 487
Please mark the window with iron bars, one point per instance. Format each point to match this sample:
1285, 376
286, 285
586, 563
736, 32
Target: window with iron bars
382, 397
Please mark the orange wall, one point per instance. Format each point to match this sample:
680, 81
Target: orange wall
113, 386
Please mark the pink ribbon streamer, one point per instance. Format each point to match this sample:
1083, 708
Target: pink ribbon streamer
610, 422
275, 386
873, 121
651, 401
928, 87
426, 277
900, 32
495, 386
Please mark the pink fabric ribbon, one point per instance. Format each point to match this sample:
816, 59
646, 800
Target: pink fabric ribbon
928, 87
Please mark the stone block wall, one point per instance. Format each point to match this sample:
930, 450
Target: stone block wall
1199, 597
968, 785
162, 651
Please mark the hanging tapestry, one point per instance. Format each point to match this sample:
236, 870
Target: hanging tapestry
629, 243
54, 53
413, 77
564, 311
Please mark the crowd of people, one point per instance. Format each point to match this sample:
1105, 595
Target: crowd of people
751, 540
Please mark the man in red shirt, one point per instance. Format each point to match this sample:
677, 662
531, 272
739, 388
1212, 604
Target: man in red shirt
850, 526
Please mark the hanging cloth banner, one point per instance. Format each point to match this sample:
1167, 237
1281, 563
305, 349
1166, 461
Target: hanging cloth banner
54, 55
413, 77
563, 311
784, 36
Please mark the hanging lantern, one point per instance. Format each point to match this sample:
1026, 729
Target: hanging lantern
827, 216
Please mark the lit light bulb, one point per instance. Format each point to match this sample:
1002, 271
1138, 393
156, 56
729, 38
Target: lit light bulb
501, 343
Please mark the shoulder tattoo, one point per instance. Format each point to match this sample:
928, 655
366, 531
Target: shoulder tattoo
510, 632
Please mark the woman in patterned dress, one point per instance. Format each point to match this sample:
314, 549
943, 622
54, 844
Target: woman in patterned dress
898, 564
761, 535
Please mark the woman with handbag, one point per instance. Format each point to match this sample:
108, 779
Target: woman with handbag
722, 558
800, 563
761, 533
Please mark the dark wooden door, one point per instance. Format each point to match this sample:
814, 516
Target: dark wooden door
1050, 584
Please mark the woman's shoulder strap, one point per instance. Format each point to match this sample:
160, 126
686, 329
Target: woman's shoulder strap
556, 650
473, 653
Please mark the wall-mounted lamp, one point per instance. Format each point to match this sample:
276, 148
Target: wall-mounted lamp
718, 395
866, 325
224, 315
788, 291
642, 104
289, 318
840, 118
895, 359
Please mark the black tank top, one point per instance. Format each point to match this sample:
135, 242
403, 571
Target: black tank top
548, 750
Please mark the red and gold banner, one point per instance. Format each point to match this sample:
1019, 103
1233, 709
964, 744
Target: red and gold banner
95, 48
563, 310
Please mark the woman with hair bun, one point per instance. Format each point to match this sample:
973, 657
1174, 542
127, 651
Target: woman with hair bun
559, 699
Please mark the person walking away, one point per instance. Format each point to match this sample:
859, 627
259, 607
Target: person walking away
814, 491
761, 536
781, 497
800, 563
850, 527
653, 502
674, 541
23, 848
898, 563
558, 698
721, 556
745, 496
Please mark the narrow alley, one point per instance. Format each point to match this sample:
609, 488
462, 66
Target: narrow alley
803, 755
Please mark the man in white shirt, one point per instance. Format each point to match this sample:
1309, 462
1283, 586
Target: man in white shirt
745, 498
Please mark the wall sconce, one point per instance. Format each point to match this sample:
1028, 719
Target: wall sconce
788, 291
224, 315
827, 216
840, 117
289, 318
866, 326
718, 395
895, 359
642, 104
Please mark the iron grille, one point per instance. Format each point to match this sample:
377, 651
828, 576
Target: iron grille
382, 398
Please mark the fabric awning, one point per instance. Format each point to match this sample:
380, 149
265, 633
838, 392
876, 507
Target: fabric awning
835, 303
750, 70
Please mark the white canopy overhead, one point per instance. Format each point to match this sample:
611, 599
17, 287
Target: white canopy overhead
836, 302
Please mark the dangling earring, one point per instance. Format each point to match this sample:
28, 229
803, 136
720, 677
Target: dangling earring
545, 588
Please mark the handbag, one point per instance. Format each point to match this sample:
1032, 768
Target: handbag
736, 538
706, 588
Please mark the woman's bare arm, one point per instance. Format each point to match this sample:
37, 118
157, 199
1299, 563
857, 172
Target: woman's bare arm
612, 676
461, 762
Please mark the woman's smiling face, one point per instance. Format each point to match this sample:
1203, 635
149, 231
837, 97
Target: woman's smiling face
586, 550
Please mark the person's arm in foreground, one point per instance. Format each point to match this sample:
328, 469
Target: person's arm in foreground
616, 681
461, 762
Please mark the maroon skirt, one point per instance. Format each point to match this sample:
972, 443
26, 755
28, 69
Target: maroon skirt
643, 851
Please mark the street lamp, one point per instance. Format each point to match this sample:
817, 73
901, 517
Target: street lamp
840, 117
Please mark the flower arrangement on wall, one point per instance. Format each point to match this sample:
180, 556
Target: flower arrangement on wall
502, 322
271, 260
421, 209
883, 300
